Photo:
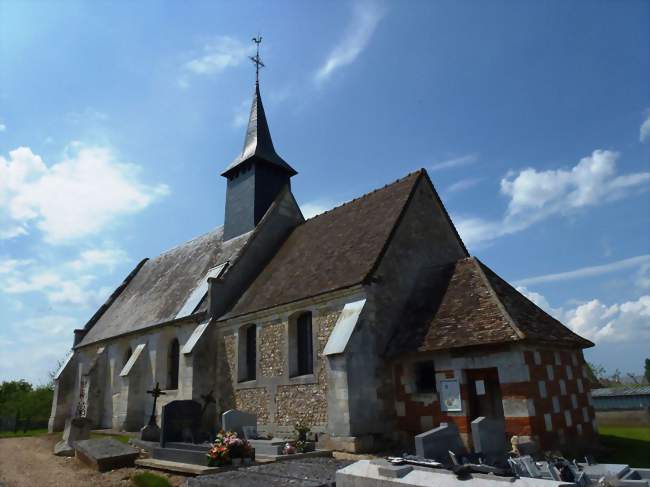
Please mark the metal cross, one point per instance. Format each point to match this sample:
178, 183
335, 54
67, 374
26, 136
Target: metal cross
256, 59
155, 392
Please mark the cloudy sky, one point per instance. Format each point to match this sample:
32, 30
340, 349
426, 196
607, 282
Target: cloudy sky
532, 118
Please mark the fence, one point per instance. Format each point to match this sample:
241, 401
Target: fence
16, 423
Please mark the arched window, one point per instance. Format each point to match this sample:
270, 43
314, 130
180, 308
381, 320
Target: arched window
127, 356
247, 361
301, 358
172, 365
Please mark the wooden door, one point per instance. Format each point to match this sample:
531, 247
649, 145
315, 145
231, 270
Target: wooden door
484, 393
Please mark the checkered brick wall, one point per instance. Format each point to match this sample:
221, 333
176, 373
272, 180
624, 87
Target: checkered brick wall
563, 407
553, 404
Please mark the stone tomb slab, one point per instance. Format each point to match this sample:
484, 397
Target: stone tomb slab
312, 472
234, 420
181, 422
76, 429
438, 442
105, 454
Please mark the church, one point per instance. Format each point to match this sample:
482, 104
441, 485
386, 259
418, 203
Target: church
370, 323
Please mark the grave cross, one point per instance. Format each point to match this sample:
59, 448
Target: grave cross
155, 392
207, 399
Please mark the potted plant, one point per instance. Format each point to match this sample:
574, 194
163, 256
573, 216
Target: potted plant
218, 455
301, 429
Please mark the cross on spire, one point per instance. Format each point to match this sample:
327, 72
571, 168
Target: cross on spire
256, 59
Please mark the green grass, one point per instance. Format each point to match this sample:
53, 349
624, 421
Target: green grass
626, 444
148, 479
20, 433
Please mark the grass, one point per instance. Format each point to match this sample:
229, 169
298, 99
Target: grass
148, 479
626, 444
20, 433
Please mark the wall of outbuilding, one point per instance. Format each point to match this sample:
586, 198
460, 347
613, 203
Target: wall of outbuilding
545, 394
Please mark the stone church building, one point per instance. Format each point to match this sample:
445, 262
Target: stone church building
370, 322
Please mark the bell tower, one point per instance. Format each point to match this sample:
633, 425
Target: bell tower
258, 174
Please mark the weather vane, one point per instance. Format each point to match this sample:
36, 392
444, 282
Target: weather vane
256, 59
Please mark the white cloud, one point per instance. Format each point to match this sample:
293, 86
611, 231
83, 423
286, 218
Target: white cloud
366, 17
454, 162
9, 266
621, 322
217, 55
76, 197
241, 114
463, 184
106, 257
591, 271
57, 287
33, 346
536, 195
313, 208
88, 116
3, 127
644, 131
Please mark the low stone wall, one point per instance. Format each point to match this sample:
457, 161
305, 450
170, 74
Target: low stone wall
637, 417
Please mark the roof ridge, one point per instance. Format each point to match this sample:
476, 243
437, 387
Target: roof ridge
580, 338
193, 239
386, 186
495, 297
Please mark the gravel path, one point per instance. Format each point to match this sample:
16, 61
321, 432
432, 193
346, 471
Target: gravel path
30, 462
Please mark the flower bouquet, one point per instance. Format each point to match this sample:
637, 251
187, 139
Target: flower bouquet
228, 448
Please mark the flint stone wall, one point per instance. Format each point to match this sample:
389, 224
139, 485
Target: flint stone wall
277, 399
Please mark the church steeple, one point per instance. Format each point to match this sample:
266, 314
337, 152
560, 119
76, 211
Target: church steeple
258, 143
258, 174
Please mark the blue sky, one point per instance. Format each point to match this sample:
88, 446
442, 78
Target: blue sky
532, 118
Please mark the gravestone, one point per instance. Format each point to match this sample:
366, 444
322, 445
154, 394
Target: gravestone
106, 454
489, 438
181, 422
438, 442
234, 420
151, 432
76, 429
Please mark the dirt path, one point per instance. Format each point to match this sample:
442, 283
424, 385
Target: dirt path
30, 462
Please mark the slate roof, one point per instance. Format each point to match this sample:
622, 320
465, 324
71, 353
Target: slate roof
258, 142
331, 251
471, 306
159, 288
621, 391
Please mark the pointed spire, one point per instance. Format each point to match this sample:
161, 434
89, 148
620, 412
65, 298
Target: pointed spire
258, 143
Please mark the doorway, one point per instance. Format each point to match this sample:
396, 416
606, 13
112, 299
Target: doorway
484, 393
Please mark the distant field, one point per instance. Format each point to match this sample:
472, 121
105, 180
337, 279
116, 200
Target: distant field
42, 432
19, 434
627, 444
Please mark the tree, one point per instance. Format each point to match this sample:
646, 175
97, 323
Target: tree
596, 373
647, 370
